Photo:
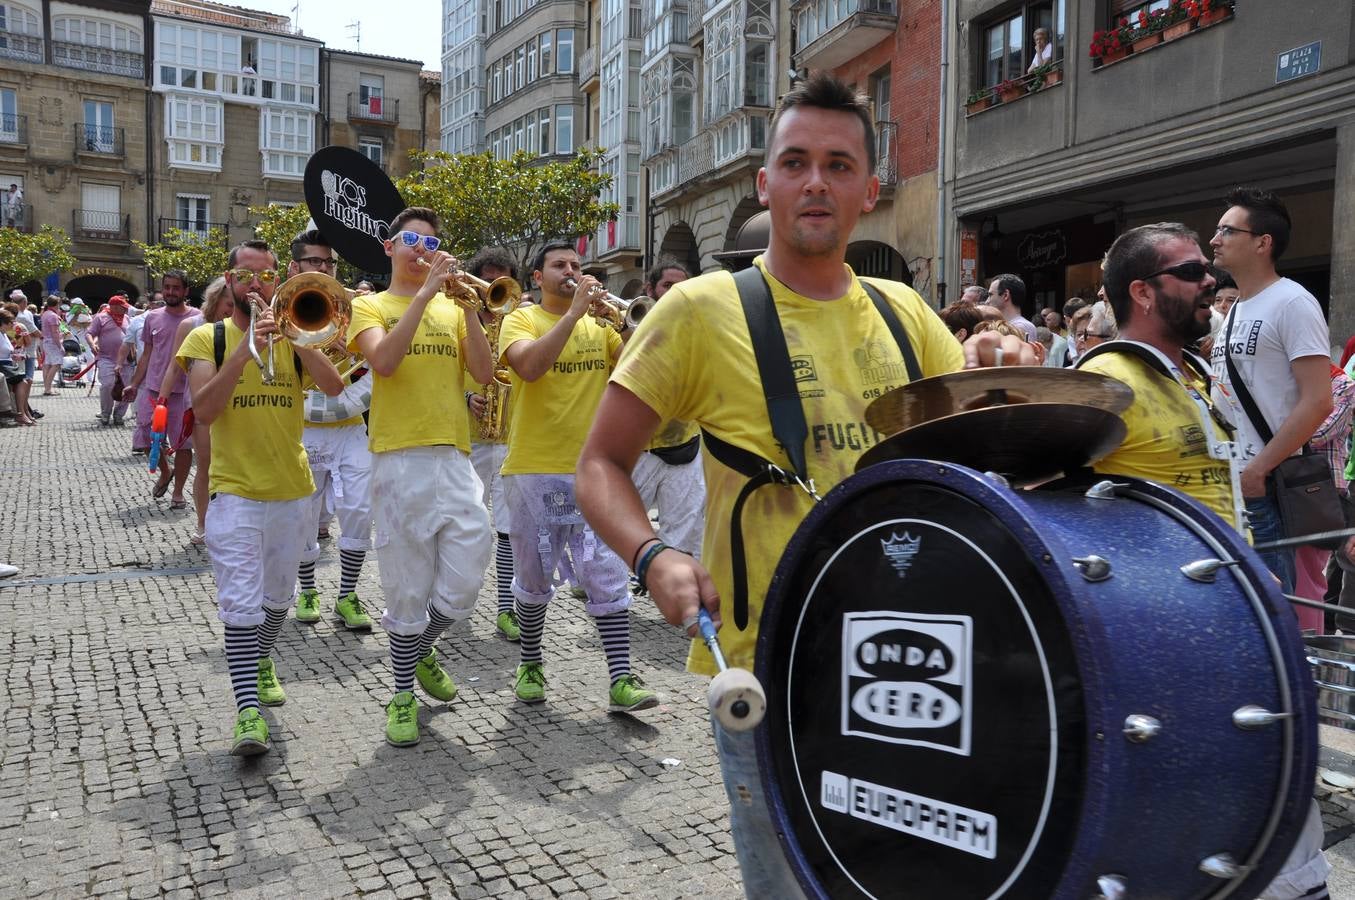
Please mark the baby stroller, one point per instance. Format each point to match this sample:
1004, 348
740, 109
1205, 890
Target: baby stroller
71, 363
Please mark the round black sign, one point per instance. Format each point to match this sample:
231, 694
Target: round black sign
926, 732
353, 203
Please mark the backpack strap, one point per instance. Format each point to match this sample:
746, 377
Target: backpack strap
219, 343
895, 328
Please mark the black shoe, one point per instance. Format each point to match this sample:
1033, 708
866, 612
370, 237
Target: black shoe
33, 413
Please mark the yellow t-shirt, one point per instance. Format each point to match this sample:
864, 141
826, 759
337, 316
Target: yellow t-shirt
1165, 441
551, 416
424, 402
256, 442
674, 433
692, 359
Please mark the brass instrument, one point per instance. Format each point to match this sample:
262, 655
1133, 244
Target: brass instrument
609, 310
490, 425
312, 311
472, 294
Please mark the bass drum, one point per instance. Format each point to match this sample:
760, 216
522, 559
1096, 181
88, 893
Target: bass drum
975, 692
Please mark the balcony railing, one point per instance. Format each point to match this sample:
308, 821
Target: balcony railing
695, 13
588, 66
374, 109
192, 226
99, 59
18, 216
830, 33
26, 47
13, 129
100, 225
256, 21
104, 140
886, 161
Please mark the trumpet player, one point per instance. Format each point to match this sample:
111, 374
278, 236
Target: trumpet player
489, 447
560, 360
260, 481
432, 531
335, 438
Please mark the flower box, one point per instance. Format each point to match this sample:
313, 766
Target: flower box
979, 105
1148, 40
1180, 29
1053, 77
1214, 16
1111, 56
1009, 93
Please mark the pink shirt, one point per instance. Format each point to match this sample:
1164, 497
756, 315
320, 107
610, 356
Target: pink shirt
109, 334
158, 335
51, 326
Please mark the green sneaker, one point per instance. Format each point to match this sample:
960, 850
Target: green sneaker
530, 683
402, 720
355, 618
629, 694
308, 606
270, 689
434, 679
251, 733
507, 623
578, 593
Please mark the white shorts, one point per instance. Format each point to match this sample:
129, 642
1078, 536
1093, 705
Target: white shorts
255, 547
1306, 867
679, 494
341, 465
432, 535
488, 460
546, 523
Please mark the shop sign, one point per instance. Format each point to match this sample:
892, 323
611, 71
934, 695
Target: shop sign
969, 256
1042, 250
100, 270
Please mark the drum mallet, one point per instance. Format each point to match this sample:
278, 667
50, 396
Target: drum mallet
736, 699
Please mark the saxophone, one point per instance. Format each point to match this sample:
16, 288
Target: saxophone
490, 426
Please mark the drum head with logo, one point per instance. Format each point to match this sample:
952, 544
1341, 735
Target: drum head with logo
353, 203
926, 732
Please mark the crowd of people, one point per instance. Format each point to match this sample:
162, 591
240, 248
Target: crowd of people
447, 432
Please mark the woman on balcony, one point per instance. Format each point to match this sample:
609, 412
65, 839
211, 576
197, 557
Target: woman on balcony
1044, 50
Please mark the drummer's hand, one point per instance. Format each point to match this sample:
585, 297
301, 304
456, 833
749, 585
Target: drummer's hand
679, 585
1040, 352
980, 350
1253, 481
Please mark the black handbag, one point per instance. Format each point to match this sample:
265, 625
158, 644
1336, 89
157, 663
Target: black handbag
1303, 486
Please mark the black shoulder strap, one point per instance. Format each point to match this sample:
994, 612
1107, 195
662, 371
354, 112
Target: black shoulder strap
1239, 386
1151, 357
784, 410
895, 328
219, 342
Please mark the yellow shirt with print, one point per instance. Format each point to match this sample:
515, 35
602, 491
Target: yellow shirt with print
424, 402
692, 359
551, 416
256, 442
1165, 442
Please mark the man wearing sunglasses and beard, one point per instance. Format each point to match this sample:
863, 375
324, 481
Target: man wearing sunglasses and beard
1162, 291
432, 536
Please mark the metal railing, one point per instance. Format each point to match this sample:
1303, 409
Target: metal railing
26, 47
18, 216
13, 129
696, 11
99, 59
886, 160
192, 226
375, 109
103, 139
260, 21
100, 224
588, 65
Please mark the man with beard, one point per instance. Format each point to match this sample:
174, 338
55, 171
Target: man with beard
1162, 291
158, 339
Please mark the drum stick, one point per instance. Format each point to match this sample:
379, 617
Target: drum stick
1304, 539
736, 698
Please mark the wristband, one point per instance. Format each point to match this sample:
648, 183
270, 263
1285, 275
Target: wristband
635, 557
643, 568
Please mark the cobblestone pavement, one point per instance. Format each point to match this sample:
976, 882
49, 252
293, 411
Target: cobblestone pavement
115, 777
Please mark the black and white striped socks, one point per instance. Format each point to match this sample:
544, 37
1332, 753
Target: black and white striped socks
242, 659
437, 624
532, 621
614, 629
269, 630
350, 567
404, 657
503, 568
305, 574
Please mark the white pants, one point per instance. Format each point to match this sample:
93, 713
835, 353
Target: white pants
341, 466
255, 546
1306, 867
679, 494
488, 461
432, 535
546, 522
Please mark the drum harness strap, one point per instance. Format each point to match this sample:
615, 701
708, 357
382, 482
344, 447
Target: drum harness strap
1224, 450
784, 410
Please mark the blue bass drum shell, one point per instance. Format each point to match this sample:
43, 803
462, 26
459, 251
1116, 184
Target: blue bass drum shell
948, 694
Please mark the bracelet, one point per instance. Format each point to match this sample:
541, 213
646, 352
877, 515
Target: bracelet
643, 568
635, 557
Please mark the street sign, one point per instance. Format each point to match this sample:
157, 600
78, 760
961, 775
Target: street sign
1300, 61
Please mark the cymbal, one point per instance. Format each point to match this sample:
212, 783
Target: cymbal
945, 395
1026, 442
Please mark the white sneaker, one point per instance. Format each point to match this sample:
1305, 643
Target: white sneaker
7, 570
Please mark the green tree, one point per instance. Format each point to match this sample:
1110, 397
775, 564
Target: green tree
518, 203
26, 257
201, 256
279, 225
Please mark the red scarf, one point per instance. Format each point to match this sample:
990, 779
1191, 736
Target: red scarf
117, 317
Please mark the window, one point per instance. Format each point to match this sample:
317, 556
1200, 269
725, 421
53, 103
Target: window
1005, 48
193, 213
564, 130
99, 136
1009, 45
564, 56
9, 117
370, 91
193, 132
101, 208
286, 141
880, 88
545, 131
757, 90
96, 33
373, 150
16, 23
546, 54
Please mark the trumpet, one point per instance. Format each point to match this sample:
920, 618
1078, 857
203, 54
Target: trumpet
312, 311
609, 310
498, 297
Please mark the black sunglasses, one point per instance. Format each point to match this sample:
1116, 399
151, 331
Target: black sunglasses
1194, 272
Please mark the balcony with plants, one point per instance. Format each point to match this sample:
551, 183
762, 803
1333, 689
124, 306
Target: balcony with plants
1149, 30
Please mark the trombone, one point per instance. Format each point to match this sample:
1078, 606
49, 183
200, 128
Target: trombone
609, 310
312, 311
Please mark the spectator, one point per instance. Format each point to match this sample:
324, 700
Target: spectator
973, 294
16, 389
13, 205
52, 352
1099, 328
1044, 50
106, 334
962, 317
1007, 294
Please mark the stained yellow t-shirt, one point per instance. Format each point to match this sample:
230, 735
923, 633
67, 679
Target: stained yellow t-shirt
673, 433
550, 417
256, 441
692, 359
1166, 442
424, 402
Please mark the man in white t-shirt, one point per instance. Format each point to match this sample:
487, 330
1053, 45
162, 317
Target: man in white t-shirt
1279, 346
1007, 294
